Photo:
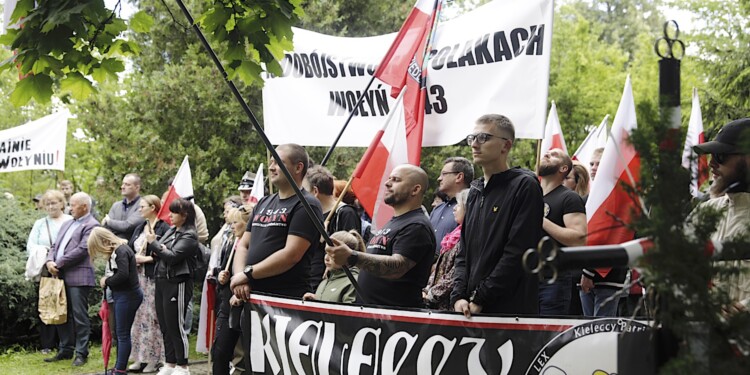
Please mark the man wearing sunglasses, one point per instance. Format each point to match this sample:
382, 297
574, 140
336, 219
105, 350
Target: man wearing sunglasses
503, 219
730, 156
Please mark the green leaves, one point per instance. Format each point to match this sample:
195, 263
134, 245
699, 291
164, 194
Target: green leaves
38, 87
66, 43
77, 85
256, 33
108, 70
141, 22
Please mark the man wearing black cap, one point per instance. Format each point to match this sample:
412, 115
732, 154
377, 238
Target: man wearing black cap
246, 185
730, 156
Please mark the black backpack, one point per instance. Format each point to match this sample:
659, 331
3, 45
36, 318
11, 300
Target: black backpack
200, 263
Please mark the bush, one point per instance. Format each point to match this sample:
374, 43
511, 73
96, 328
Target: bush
18, 312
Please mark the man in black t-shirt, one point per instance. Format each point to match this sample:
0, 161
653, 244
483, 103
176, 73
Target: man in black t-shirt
319, 182
397, 263
280, 235
565, 222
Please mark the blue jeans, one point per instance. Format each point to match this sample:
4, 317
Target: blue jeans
74, 334
591, 302
125, 306
554, 299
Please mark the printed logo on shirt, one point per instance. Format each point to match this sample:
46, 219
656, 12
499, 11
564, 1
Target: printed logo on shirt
271, 218
546, 209
379, 240
495, 208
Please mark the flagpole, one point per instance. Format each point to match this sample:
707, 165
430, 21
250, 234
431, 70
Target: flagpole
428, 45
305, 204
338, 201
346, 123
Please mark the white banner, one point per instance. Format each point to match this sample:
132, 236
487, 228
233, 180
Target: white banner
494, 59
38, 144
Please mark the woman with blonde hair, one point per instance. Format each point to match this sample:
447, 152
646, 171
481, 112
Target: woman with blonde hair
42, 235
578, 180
148, 347
336, 286
121, 278
226, 338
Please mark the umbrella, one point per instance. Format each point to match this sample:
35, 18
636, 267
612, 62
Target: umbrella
106, 334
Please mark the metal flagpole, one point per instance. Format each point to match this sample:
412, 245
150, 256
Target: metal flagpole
266, 141
346, 123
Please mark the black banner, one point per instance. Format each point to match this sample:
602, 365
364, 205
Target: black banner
296, 337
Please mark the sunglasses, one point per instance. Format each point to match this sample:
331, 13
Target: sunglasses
481, 138
721, 158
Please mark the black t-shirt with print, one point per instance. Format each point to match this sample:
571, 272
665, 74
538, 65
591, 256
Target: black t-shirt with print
273, 219
410, 235
560, 202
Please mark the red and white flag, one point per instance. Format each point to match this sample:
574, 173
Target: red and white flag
403, 67
553, 137
182, 186
207, 319
394, 66
258, 190
609, 207
696, 164
597, 138
387, 151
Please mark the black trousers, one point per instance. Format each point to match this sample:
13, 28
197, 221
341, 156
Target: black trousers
171, 302
47, 336
222, 351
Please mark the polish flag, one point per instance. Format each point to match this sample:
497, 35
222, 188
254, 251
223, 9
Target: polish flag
387, 150
394, 66
553, 137
207, 318
404, 67
258, 190
609, 207
597, 138
182, 186
696, 164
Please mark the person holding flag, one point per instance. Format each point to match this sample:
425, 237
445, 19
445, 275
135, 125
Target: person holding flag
274, 253
226, 338
400, 254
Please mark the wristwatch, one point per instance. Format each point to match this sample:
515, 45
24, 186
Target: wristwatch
353, 258
248, 271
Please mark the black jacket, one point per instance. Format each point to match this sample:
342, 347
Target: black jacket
503, 220
175, 262
159, 229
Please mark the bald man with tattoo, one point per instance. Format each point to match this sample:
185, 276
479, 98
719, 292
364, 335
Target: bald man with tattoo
397, 263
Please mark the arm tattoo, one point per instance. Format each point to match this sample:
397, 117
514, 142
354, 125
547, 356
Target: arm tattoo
385, 266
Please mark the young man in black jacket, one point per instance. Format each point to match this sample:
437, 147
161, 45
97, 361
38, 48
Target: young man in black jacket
503, 219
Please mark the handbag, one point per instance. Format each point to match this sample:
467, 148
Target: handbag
37, 259
53, 302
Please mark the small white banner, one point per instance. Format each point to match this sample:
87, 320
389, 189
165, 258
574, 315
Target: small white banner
38, 144
494, 59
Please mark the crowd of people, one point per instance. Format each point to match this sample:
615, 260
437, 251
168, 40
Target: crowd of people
466, 256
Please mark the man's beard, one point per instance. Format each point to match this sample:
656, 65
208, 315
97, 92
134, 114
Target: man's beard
722, 183
547, 170
394, 198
